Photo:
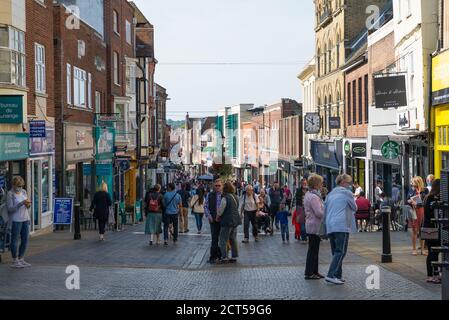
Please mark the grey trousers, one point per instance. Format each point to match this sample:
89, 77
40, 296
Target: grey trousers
228, 234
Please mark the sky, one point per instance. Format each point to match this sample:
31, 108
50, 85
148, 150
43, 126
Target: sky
220, 32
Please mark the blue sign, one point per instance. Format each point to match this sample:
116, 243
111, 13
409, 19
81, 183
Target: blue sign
37, 129
2, 182
63, 211
101, 169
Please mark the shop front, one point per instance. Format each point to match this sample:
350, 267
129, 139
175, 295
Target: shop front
79, 153
284, 171
42, 176
328, 159
13, 154
441, 139
356, 162
386, 164
440, 112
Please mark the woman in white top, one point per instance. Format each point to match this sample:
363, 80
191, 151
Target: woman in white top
197, 205
18, 204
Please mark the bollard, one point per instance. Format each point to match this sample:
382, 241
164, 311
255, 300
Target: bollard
77, 234
386, 237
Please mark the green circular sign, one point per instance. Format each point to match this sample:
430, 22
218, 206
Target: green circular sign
347, 148
391, 150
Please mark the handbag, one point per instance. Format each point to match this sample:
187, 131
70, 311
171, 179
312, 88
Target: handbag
111, 218
430, 234
412, 214
323, 230
300, 216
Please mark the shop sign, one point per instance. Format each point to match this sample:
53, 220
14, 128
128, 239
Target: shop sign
13, 146
334, 123
299, 163
390, 91
11, 109
164, 153
105, 140
440, 79
43, 146
403, 120
63, 211
101, 169
359, 150
37, 129
347, 148
390, 150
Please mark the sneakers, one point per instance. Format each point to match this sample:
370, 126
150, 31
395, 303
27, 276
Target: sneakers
24, 263
165, 243
334, 281
245, 241
17, 265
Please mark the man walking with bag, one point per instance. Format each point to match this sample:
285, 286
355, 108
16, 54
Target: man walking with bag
172, 202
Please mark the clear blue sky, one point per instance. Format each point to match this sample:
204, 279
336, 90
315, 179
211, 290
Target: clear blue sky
254, 31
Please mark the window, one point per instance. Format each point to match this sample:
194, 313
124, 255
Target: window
354, 103
120, 126
411, 72
115, 17
408, 8
128, 32
80, 83
12, 56
131, 78
366, 99
116, 68
89, 91
360, 102
69, 84
39, 52
97, 102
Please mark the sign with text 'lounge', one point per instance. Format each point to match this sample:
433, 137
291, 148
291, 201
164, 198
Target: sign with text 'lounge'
390, 91
11, 109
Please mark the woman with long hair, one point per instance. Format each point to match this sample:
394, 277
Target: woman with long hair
415, 201
100, 204
154, 206
197, 206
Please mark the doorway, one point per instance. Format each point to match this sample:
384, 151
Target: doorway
41, 190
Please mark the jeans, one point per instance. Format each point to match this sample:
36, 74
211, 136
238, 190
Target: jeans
215, 228
285, 232
339, 245
21, 229
303, 232
274, 209
228, 234
184, 220
171, 219
199, 220
313, 255
250, 216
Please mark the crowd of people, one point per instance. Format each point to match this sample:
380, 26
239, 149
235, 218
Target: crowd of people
315, 213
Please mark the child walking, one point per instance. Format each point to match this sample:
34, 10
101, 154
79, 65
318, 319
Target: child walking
282, 217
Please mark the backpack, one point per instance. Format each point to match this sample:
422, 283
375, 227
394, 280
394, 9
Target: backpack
154, 204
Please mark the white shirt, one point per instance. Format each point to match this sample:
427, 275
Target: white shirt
21, 215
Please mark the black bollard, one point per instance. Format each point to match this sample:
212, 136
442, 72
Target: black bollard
77, 234
386, 237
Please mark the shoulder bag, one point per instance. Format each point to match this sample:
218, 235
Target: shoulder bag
430, 234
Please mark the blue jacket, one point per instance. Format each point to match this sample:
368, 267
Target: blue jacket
340, 209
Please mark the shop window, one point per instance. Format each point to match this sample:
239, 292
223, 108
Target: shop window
46, 178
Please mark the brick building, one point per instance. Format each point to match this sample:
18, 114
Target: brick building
80, 92
41, 111
356, 117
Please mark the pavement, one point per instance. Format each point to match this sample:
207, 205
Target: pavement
126, 267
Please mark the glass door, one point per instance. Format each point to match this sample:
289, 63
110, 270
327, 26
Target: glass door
36, 196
